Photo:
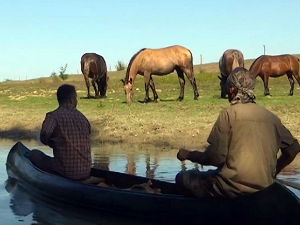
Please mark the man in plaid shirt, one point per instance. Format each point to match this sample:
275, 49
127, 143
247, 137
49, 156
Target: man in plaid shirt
67, 131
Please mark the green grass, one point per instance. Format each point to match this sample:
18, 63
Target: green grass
23, 105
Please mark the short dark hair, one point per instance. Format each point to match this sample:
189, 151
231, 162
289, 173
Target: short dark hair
65, 93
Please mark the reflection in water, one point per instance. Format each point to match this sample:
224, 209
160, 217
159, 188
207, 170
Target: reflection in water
101, 162
131, 165
149, 162
23, 204
151, 168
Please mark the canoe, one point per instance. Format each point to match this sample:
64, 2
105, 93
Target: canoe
273, 205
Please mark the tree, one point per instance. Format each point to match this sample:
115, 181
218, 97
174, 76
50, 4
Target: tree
120, 66
62, 71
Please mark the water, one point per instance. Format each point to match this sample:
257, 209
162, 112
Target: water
17, 207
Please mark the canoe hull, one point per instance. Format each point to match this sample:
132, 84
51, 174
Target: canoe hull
274, 205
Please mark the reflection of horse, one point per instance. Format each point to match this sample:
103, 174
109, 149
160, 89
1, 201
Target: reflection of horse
267, 66
93, 66
230, 59
148, 62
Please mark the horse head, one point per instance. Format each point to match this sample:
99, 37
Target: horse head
128, 92
223, 80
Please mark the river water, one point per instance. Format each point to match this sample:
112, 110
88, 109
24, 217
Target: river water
18, 207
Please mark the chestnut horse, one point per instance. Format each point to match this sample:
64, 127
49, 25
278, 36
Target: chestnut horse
267, 66
93, 66
163, 61
230, 59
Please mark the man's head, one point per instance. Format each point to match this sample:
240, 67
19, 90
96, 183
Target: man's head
240, 86
66, 94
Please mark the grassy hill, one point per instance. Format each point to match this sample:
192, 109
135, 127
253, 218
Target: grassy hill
23, 105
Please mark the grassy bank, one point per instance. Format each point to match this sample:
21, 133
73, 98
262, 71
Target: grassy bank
23, 105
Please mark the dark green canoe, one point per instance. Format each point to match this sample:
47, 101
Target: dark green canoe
274, 205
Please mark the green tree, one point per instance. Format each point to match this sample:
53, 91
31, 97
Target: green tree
120, 66
62, 72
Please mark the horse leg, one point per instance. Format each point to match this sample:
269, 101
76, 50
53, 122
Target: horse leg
266, 84
296, 76
181, 83
190, 74
102, 86
292, 82
87, 82
152, 86
147, 82
95, 87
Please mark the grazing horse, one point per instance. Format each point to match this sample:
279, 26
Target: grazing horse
230, 59
148, 62
267, 66
93, 66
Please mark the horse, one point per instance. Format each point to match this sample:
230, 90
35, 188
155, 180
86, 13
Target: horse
267, 66
94, 66
230, 59
163, 61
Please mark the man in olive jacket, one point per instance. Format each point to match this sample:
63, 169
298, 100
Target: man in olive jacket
243, 145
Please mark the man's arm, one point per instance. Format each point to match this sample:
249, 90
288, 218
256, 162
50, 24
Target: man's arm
48, 127
199, 157
194, 156
289, 147
288, 154
216, 152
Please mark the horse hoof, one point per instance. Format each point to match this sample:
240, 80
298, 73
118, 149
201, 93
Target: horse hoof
179, 99
146, 100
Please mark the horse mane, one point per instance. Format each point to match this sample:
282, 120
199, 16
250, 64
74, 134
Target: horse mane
130, 63
255, 62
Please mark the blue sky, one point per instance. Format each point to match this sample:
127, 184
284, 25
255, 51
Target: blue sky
37, 37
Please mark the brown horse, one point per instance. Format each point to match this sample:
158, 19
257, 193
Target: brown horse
230, 59
148, 62
93, 66
267, 66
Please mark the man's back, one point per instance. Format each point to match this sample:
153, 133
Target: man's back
67, 131
253, 138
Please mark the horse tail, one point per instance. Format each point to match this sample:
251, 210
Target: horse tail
192, 65
130, 63
255, 67
82, 64
235, 62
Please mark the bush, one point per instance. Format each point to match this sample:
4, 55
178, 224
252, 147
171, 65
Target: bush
62, 71
53, 74
120, 66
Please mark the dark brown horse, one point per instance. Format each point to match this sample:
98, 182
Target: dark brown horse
163, 61
267, 66
93, 66
230, 59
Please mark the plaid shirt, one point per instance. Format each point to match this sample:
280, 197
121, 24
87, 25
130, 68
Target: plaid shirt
67, 131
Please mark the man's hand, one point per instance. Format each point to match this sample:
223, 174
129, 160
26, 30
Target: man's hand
183, 154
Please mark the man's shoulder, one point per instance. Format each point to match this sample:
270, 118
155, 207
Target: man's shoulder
251, 110
247, 106
80, 114
52, 113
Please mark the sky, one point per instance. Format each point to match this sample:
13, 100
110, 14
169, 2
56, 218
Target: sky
38, 37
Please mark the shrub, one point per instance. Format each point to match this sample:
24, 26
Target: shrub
120, 66
62, 71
